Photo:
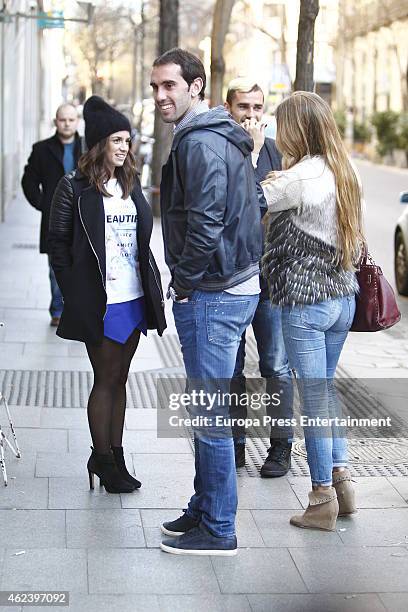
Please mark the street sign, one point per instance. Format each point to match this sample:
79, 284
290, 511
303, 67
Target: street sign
51, 19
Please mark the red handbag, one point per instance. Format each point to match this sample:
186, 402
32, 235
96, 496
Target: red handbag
376, 306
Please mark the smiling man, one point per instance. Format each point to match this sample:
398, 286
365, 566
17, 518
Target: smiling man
212, 240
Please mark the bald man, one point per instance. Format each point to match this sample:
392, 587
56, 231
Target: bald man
50, 159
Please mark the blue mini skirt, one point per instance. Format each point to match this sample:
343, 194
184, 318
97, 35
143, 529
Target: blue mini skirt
122, 319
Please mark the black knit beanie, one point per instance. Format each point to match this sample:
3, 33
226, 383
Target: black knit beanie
102, 120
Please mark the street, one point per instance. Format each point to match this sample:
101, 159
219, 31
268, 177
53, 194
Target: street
382, 187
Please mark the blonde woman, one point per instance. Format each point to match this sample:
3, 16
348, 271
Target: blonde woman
312, 245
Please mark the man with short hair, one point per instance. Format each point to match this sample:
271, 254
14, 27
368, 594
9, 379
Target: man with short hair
245, 102
212, 240
50, 159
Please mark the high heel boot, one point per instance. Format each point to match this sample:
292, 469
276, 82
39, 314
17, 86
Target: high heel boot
121, 465
321, 512
345, 492
104, 466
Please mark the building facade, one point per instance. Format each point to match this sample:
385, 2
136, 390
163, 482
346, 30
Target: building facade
262, 43
32, 69
372, 56
20, 89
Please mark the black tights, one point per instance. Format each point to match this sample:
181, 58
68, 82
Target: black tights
107, 401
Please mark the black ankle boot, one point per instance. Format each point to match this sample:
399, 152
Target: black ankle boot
121, 465
104, 466
277, 462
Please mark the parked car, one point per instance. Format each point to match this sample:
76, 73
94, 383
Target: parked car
401, 249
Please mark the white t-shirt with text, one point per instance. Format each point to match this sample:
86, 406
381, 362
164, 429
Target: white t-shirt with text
123, 282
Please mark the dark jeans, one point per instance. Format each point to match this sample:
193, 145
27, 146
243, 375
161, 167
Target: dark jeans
57, 304
273, 365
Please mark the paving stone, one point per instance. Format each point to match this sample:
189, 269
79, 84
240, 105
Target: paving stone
139, 364
395, 602
166, 484
47, 440
362, 570
371, 492
206, 603
114, 603
74, 493
258, 570
30, 332
64, 418
79, 441
247, 532
61, 464
149, 571
45, 569
257, 493
76, 349
42, 362
104, 529
25, 416
151, 521
32, 528
277, 532
24, 493
379, 527
315, 603
141, 419
20, 467
400, 483
148, 442
14, 349
48, 349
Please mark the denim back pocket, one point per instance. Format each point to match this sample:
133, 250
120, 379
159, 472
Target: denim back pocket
320, 316
226, 321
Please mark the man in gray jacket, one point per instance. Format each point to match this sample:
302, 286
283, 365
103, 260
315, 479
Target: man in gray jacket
212, 239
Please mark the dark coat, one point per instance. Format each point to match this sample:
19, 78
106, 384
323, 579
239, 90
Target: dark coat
77, 250
41, 175
269, 159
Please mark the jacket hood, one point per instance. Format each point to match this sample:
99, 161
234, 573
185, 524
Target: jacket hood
218, 120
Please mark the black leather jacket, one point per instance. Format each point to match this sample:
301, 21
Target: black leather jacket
210, 205
76, 243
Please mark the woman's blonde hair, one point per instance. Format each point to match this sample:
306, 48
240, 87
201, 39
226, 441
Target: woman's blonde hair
306, 126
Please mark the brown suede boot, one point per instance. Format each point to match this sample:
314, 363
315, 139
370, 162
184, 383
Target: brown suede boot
345, 492
321, 512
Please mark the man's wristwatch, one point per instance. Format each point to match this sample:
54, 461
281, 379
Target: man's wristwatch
177, 298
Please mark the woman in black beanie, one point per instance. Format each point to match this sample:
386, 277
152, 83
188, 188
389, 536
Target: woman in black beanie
100, 229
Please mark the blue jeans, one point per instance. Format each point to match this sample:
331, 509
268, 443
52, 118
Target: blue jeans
314, 337
209, 327
273, 365
57, 304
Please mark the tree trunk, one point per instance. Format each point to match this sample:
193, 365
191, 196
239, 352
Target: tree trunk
305, 45
168, 38
221, 21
